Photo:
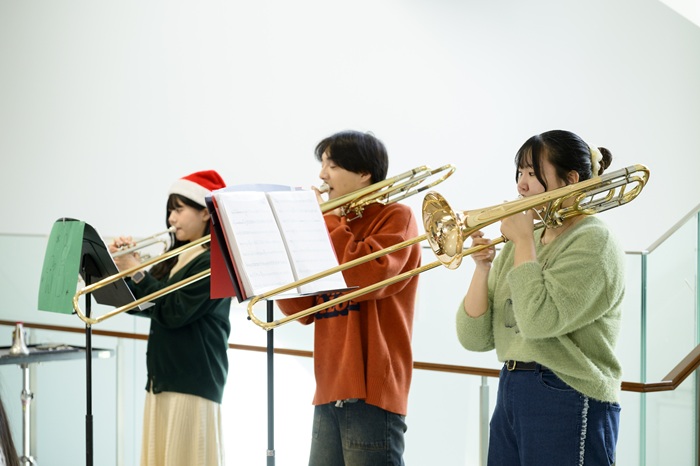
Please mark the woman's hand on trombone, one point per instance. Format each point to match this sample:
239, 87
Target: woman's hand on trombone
519, 227
124, 261
484, 257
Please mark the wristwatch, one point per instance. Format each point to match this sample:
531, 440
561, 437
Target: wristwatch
138, 276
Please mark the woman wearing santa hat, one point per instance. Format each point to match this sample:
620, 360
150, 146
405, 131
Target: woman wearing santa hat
186, 356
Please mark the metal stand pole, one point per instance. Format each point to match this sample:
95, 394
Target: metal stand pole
88, 388
89, 270
27, 397
483, 421
270, 389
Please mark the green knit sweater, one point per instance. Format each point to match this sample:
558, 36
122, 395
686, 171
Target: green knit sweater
562, 311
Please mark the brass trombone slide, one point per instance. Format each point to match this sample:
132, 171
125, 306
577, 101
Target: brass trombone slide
384, 192
125, 273
447, 230
388, 191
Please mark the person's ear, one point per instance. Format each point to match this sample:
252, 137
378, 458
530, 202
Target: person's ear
366, 178
572, 177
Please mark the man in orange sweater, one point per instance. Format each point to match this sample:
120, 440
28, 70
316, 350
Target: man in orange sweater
362, 348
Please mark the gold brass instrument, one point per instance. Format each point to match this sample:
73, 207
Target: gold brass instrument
384, 192
446, 230
118, 276
148, 241
388, 191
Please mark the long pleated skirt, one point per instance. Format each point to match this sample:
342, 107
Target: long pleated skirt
181, 430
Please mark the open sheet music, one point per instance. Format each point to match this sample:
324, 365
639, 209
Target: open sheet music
275, 238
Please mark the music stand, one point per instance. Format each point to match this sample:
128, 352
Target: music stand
227, 285
270, 389
75, 248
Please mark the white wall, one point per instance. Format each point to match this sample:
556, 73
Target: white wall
104, 104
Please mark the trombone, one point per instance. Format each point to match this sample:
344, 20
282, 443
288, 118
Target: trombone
388, 191
121, 275
351, 205
148, 241
446, 229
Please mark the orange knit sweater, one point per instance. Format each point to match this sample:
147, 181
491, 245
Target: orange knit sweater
362, 348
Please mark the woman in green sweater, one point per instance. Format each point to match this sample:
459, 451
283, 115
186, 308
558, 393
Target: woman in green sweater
550, 305
186, 357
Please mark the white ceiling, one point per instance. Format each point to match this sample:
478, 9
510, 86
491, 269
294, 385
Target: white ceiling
690, 9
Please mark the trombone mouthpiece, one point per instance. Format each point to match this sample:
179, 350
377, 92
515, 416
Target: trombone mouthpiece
324, 188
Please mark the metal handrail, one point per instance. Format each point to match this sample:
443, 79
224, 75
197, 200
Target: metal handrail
677, 226
675, 377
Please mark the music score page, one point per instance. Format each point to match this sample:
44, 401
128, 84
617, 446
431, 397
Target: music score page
308, 244
276, 238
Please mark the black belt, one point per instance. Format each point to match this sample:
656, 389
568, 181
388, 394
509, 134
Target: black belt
524, 366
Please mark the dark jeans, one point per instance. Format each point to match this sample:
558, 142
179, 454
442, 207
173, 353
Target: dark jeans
539, 420
356, 434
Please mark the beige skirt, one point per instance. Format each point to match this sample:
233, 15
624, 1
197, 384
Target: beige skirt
181, 430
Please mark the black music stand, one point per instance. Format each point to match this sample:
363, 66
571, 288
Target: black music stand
75, 248
217, 245
96, 264
220, 254
270, 388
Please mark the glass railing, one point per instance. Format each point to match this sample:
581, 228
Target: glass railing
446, 407
666, 318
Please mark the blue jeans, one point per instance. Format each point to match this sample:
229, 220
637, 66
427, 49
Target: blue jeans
539, 420
356, 434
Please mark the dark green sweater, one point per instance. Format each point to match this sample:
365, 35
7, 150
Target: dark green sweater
188, 340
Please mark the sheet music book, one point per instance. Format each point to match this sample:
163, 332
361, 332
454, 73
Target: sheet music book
275, 237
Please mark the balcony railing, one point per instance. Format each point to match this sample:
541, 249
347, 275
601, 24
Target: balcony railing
659, 346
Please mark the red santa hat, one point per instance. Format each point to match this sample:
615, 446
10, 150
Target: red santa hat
198, 185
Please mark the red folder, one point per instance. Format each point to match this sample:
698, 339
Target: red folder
224, 281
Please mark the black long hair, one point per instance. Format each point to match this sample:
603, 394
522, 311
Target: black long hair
565, 150
162, 269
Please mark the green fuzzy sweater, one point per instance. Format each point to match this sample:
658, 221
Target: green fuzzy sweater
562, 311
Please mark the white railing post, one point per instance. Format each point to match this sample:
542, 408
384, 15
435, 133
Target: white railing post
483, 420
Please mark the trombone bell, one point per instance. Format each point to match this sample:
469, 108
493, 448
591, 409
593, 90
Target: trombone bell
445, 230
